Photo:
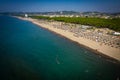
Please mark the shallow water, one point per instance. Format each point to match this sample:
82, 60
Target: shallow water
28, 52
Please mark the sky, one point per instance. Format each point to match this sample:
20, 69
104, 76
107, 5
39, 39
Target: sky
111, 6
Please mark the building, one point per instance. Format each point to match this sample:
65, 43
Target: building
26, 15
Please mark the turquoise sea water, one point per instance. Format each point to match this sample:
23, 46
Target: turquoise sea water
28, 52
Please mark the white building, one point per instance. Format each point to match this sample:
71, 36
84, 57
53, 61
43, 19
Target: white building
116, 33
26, 15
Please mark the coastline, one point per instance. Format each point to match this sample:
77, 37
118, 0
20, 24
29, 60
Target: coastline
104, 50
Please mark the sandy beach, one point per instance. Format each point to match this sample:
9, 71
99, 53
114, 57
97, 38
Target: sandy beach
96, 46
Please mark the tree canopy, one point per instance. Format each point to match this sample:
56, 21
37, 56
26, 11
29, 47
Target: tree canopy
113, 24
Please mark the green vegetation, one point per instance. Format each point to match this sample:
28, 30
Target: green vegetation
113, 24
40, 17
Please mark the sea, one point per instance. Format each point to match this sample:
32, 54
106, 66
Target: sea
29, 52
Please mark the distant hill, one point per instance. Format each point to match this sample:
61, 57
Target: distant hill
63, 13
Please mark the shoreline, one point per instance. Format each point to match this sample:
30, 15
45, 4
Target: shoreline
104, 50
